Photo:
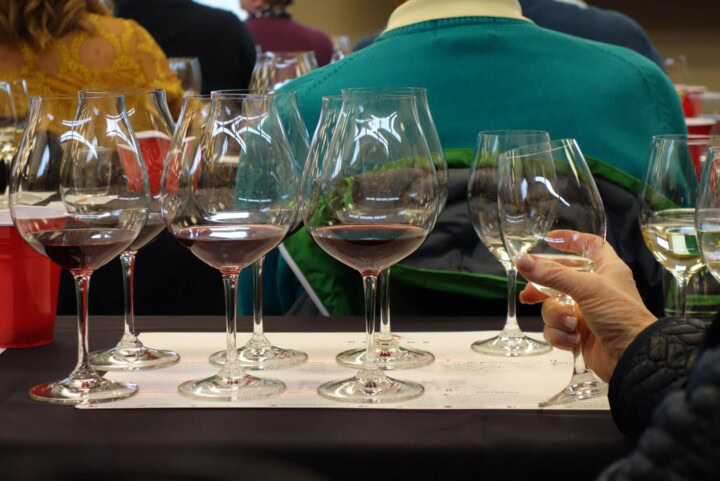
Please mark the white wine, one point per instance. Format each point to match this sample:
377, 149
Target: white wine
497, 248
575, 262
521, 244
709, 238
670, 235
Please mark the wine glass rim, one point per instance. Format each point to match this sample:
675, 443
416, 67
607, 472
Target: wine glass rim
197, 96
534, 149
53, 97
696, 139
513, 132
119, 92
270, 53
383, 89
192, 59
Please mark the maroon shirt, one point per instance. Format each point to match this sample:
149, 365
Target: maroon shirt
282, 34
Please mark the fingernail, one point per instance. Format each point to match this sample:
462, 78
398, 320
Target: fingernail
526, 263
574, 339
570, 322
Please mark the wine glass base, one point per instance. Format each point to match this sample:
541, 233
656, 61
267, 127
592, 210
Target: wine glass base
82, 390
370, 387
136, 359
388, 356
582, 386
262, 359
511, 346
222, 388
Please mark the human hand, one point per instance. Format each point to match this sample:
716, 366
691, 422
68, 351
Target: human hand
609, 312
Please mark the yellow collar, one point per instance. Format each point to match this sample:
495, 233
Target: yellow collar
416, 11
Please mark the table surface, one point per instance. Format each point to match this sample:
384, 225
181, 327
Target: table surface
334, 443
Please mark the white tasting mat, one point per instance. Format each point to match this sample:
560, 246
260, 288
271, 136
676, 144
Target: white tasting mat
458, 379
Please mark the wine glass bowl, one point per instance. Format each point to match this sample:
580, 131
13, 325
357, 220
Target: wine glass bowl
79, 195
230, 197
372, 203
275, 69
707, 214
546, 197
483, 208
189, 73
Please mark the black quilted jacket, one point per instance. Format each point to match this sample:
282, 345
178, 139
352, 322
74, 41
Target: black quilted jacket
667, 387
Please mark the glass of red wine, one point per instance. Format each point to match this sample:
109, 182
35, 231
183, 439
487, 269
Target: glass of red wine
388, 351
150, 118
79, 194
373, 203
259, 353
230, 198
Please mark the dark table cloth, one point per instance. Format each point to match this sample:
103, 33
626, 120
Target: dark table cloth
342, 444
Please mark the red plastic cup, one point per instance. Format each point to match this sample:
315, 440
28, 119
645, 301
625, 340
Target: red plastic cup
699, 125
29, 284
692, 100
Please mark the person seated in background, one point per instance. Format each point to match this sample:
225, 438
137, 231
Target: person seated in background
184, 28
664, 374
62, 46
275, 31
579, 19
487, 67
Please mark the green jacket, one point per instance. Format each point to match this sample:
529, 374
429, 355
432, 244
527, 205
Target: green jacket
486, 73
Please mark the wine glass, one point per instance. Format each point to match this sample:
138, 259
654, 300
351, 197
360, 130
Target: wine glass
389, 353
259, 353
275, 69
544, 191
230, 200
667, 206
707, 214
341, 47
150, 118
79, 194
373, 203
188, 71
483, 207
21, 102
8, 139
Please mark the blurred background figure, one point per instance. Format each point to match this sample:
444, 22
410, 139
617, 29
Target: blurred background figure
62, 46
183, 28
577, 18
274, 30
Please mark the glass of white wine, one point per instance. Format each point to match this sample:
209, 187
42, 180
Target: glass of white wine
546, 194
667, 206
707, 214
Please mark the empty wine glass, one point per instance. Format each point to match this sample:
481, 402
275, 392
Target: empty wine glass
188, 71
150, 118
667, 206
230, 200
707, 214
21, 102
275, 69
372, 204
259, 353
483, 207
341, 47
8, 140
546, 190
389, 353
79, 194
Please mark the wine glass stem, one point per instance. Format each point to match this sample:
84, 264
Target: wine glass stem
384, 289
258, 330
127, 259
511, 325
232, 367
681, 295
579, 364
82, 289
370, 288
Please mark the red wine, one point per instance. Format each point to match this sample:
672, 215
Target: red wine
230, 248
153, 227
83, 248
369, 248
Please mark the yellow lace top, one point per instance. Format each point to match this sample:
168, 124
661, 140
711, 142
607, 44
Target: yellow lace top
120, 53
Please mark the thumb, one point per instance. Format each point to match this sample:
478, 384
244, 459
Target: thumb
555, 276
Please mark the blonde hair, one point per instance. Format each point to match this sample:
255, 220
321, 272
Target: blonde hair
39, 21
